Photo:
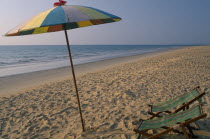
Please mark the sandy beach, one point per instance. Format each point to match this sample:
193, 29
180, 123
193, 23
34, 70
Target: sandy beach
114, 94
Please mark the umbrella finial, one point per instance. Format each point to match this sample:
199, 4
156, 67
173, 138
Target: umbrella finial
61, 2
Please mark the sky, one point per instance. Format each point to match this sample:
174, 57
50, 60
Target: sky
143, 22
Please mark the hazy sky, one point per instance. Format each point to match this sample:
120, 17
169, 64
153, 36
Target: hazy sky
144, 22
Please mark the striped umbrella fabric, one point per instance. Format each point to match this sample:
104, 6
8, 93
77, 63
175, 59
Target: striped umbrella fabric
56, 18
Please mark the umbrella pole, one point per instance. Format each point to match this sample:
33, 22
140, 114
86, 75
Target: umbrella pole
74, 78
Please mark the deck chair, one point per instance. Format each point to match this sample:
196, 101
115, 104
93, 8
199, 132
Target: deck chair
171, 122
176, 104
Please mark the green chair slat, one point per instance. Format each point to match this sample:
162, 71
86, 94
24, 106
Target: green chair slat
175, 102
171, 119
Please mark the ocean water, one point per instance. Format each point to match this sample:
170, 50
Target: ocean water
23, 59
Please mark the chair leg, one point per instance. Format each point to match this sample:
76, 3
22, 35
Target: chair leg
161, 133
198, 127
191, 132
185, 132
139, 136
142, 133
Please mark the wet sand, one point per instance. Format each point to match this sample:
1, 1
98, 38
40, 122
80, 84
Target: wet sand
15, 84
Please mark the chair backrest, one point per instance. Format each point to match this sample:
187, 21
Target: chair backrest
171, 119
177, 101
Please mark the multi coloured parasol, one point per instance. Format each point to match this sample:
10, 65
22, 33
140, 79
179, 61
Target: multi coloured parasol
64, 17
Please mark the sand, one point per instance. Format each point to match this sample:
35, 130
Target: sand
112, 98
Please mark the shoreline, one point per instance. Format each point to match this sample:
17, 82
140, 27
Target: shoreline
15, 84
50, 67
82, 58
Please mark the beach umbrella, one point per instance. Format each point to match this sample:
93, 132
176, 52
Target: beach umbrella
64, 17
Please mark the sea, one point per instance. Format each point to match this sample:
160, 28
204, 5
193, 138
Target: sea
18, 59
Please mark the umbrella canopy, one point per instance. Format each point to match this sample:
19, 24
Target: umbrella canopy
69, 16
64, 17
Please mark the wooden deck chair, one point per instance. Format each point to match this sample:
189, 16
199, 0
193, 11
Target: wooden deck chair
171, 122
176, 104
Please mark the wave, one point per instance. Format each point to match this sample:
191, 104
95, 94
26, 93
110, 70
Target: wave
22, 59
